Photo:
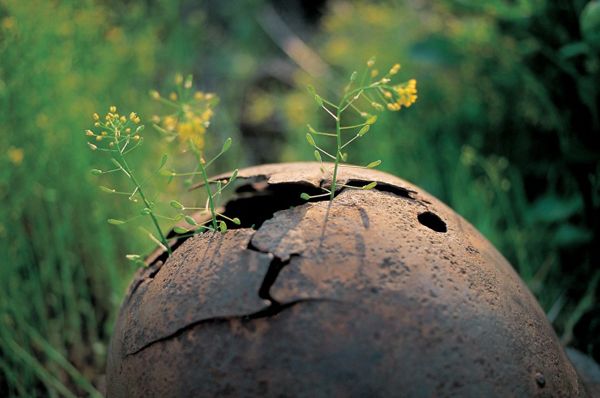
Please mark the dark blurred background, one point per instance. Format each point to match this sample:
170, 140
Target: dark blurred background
503, 132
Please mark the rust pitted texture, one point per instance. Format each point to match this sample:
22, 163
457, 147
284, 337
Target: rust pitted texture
396, 295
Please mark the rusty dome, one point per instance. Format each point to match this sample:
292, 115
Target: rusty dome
400, 296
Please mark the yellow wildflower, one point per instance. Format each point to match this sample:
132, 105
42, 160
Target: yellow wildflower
188, 131
8, 23
406, 95
189, 123
394, 69
207, 114
169, 123
16, 155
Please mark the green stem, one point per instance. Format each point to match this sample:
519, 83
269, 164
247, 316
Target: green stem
338, 134
211, 203
140, 192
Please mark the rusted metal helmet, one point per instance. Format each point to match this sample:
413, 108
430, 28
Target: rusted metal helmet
391, 294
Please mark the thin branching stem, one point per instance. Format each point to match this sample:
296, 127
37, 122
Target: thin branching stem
338, 154
211, 203
140, 192
350, 141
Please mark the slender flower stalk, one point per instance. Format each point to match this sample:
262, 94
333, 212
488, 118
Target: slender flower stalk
118, 135
188, 123
367, 94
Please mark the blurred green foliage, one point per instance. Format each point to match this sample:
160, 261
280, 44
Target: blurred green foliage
63, 272
505, 131
61, 267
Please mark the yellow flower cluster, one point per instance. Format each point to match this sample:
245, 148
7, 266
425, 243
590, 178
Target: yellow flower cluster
405, 95
115, 129
192, 118
396, 96
190, 127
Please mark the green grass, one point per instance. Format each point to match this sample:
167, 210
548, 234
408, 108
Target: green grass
63, 266
62, 271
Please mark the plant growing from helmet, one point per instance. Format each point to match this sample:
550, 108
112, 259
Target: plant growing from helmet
118, 135
354, 114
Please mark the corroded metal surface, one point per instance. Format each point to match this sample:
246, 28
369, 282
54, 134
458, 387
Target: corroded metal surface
396, 295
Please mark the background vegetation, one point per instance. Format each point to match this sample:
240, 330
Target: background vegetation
503, 132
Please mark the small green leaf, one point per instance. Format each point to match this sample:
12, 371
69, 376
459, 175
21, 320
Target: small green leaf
311, 129
373, 164
364, 130
305, 196
344, 156
114, 221
369, 185
190, 220
180, 230
372, 119
96, 172
145, 211
222, 226
310, 139
163, 161
133, 257
233, 176
106, 189
226, 145
236, 221
178, 217
318, 156
353, 76
319, 100
176, 205
116, 163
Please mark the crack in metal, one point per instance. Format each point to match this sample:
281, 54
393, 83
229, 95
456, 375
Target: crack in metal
266, 312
